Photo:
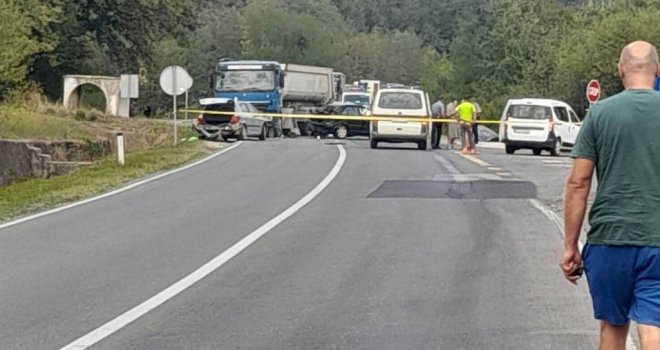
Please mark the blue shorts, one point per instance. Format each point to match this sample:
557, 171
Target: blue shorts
624, 283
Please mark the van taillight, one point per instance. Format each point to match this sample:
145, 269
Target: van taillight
235, 120
374, 125
424, 127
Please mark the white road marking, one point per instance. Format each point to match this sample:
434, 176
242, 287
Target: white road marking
558, 165
117, 191
133, 314
554, 217
503, 174
553, 161
495, 169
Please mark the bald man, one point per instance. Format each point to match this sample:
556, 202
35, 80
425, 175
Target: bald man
620, 140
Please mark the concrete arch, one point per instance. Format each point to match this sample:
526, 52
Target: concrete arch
110, 86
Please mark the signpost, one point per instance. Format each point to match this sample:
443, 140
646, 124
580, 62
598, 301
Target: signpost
593, 91
175, 81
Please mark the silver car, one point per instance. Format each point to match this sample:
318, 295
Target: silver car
239, 120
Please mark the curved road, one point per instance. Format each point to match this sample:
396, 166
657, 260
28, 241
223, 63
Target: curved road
403, 250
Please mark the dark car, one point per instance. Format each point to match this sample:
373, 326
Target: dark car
340, 128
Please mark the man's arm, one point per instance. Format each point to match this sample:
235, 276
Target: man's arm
575, 208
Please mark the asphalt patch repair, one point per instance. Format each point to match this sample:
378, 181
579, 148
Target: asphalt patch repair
478, 189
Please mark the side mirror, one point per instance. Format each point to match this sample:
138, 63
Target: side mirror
212, 81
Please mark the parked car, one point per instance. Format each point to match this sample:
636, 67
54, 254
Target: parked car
243, 123
539, 125
358, 98
404, 104
340, 128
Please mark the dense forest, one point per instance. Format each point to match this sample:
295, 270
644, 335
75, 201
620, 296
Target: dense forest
488, 49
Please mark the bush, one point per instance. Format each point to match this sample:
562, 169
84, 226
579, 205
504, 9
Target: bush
80, 115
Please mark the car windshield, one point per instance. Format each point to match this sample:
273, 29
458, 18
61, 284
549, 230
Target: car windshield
400, 100
533, 112
246, 81
358, 99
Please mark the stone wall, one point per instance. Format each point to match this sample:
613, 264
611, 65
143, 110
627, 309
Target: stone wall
29, 158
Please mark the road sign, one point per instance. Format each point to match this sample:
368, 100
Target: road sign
129, 86
175, 80
593, 91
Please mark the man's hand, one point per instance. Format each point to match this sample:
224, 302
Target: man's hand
571, 261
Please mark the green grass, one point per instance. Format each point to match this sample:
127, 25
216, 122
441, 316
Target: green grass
34, 195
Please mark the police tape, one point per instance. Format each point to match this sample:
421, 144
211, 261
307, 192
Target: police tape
337, 117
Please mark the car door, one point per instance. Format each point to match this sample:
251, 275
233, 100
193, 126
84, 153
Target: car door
248, 119
562, 123
574, 127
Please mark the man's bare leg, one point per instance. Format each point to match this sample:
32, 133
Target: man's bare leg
649, 336
613, 337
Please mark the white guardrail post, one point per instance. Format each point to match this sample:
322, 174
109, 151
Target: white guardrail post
120, 148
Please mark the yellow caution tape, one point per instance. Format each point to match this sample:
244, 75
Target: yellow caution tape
338, 117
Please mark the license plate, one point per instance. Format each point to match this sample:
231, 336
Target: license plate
521, 131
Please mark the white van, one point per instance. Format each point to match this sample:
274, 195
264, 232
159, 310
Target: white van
539, 125
400, 103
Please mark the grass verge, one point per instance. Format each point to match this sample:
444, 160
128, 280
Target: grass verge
33, 195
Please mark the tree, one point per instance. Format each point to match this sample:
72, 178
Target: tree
24, 28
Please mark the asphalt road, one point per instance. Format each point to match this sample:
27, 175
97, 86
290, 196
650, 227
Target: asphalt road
403, 250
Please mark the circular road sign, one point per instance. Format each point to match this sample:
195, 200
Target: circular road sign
174, 80
593, 91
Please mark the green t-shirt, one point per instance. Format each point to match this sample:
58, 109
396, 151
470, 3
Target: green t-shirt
622, 135
466, 111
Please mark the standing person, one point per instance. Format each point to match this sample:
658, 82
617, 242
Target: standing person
475, 125
622, 254
453, 132
438, 110
466, 114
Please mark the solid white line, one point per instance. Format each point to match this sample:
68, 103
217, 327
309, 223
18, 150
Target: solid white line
475, 160
552, 161
138, 311
495, 169
117, 191
554, 217
503, 174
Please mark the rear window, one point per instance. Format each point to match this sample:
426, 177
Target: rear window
529, 112
225, 107
400, 100
357, 99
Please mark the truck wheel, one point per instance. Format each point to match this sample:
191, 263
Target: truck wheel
243, 135
510, 149
537, 151
264, 133
374, 144
421, 146
341, 132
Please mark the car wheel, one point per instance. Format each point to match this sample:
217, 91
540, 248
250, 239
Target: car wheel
374, 144
341, 132
510, 149
244, 133
264, 133
537, 151
556, 149
421, 146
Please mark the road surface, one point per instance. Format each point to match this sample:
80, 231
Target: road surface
402, 249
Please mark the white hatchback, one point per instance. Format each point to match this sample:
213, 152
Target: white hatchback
403, 104
539, 125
